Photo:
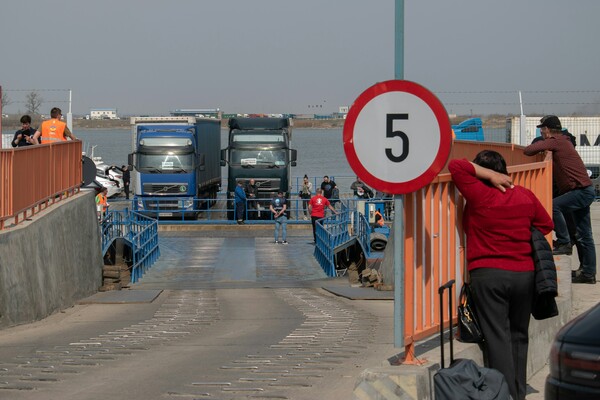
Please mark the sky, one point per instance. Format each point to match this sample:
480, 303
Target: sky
311, 56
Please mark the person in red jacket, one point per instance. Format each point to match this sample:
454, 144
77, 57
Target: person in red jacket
316, 208
497, 221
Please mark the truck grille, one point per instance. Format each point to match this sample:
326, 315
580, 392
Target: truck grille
162, 189
267, 185
162, 205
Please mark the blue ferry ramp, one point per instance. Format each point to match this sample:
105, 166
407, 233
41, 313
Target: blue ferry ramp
234, 256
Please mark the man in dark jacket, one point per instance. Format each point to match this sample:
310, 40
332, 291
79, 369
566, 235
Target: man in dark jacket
576, 194
24, 136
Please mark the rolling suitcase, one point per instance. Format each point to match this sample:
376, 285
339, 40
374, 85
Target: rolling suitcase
464, 379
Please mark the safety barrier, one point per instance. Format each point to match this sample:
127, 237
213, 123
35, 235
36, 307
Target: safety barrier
139, 231
222, 211
34, 177
338, 232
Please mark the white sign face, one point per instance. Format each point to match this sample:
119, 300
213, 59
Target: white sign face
371, 135
397, 136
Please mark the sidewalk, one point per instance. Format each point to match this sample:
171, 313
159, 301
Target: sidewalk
583, 297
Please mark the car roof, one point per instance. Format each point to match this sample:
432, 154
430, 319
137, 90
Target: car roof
583, 329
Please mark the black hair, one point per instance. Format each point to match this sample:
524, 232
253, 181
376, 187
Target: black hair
26, 119
492, 160
55, 112
305, 176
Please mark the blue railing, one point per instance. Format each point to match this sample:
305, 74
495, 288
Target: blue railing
337, 232
139, 231
222, 210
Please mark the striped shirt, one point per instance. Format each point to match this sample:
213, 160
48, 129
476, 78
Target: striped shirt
568, 171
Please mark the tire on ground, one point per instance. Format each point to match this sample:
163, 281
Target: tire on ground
377, 241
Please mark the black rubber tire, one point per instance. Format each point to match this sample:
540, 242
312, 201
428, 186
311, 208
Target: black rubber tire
377, 241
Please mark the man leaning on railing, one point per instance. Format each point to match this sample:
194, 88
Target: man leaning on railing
53, 130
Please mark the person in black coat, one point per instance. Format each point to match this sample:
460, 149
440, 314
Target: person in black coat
126, 180
24, 136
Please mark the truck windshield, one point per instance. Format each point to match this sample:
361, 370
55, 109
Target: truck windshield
166, 163
258, 157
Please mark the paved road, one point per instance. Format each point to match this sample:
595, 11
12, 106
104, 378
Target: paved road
226, 315
232, 317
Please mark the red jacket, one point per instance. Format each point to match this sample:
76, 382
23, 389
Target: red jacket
497, 225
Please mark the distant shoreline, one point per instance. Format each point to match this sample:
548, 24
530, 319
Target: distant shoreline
12, 123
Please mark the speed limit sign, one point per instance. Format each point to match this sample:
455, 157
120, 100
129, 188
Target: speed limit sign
397, 136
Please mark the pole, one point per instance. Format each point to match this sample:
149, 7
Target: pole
522, 124
1, 114
399, 199
70, 114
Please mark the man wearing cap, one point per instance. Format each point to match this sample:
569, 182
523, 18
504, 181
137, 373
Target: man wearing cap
575, 195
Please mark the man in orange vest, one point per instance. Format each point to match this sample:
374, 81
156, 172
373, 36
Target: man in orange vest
101, 202
53, 130
379, 219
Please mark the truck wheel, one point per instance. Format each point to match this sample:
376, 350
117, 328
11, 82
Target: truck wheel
377, 241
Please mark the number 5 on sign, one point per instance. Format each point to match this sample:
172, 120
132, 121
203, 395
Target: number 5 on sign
397, 136
390, 132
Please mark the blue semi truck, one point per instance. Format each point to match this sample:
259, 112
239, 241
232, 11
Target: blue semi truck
470, 129
176, 165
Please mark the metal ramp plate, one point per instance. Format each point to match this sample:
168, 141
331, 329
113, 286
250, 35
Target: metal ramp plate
122, 297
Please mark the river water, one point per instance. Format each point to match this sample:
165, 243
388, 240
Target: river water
320, 151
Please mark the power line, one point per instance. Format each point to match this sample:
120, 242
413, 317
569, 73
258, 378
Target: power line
36, 90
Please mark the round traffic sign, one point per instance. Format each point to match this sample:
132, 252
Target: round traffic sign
397, 136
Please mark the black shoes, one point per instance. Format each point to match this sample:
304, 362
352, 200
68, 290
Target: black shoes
582, 278
563, 249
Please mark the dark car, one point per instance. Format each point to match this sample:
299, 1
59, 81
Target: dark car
575, 359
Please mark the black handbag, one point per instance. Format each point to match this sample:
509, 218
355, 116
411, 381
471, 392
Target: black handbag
468, 328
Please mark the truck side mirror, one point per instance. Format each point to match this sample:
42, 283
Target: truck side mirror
223, 157
130, 159
294, 156
200, 161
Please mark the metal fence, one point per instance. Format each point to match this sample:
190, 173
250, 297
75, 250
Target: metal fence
222, 210
139, 231
34, 177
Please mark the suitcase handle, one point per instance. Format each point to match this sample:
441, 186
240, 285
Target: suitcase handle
448, 285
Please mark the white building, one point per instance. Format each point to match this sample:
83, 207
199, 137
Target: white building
103, 113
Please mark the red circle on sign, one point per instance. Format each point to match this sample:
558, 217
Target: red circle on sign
445, 131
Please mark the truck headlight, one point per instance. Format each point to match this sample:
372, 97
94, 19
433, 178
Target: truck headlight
187, 203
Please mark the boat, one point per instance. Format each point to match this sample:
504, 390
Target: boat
109, 176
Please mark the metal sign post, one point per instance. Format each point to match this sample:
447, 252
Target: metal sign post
397, 138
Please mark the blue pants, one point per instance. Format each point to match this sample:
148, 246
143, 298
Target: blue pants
577, 202
281, 222
240, 211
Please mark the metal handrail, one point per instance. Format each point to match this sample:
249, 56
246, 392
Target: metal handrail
35, 177
140, 231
